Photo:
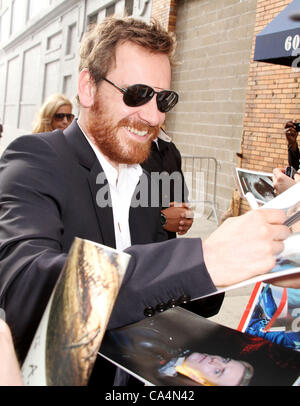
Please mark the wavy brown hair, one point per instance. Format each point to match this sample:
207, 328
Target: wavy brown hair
98, 46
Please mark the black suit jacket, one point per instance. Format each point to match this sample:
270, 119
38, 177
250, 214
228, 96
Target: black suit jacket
48, 195
294, 158
165, 159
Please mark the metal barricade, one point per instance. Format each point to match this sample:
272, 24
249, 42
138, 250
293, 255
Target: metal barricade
200, 174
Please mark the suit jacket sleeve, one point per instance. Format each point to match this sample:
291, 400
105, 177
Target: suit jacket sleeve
32, 254
158, 273
293, 158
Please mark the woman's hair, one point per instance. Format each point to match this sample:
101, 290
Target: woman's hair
46, 113
98, 46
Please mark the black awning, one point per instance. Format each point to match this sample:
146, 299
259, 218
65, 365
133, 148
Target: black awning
279, 41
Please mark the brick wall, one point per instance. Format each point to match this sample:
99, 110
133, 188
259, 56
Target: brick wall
273, 97
214, 45
165, 12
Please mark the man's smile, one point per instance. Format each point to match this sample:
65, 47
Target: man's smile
137, 134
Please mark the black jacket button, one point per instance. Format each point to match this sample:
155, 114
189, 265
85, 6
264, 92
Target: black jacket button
149, 311
172, 303
184, 299
161, 307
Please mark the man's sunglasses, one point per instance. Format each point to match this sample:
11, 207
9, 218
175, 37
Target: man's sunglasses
138, 95
61, 116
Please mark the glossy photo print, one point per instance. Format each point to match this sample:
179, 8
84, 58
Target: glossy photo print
69, 335
260, 184
273, 313
180, 348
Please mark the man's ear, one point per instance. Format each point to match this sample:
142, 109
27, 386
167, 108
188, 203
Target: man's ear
86, 88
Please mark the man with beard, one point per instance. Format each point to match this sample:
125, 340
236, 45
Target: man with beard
54, 186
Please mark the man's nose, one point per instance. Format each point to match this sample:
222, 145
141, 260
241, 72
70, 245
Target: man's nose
215, 361
149, 113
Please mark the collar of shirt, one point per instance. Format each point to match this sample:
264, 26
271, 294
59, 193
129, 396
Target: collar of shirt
163, 136
156, 143
122, 185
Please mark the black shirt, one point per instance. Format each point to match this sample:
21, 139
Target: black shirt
165, 160
294, 157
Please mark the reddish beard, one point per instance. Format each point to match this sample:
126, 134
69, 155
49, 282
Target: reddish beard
119, 149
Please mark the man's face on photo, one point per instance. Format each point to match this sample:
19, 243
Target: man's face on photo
124, 134
220, 371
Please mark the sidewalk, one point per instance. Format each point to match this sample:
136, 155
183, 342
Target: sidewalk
236, 300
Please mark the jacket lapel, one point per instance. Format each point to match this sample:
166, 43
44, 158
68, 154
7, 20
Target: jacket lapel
138, 216
137, 225
102, 202
97, 181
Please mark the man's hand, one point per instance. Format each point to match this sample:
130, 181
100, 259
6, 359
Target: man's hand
281, 181
10, 373
291, 135
245, 246
179, 217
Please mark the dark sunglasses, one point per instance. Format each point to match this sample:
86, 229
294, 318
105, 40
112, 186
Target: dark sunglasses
61, 116
138, 95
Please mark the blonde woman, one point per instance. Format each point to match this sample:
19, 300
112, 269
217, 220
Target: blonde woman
55, 113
